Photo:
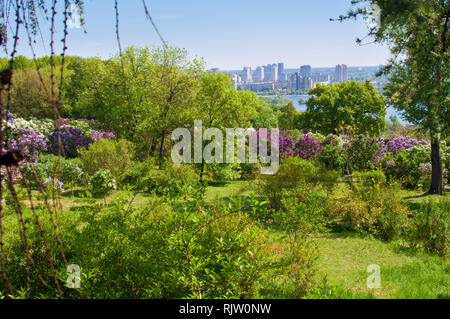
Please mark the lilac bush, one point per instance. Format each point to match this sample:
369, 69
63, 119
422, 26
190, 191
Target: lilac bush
96, 135
401, 143
29, 141
71, 139
307, 147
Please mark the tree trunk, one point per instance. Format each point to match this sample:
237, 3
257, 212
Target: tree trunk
437, 182
202, 168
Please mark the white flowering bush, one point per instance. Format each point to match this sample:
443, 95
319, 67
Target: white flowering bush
44, 127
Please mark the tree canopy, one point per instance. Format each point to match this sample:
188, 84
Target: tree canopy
350, 106
417, 32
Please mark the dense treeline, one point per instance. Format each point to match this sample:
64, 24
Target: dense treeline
148, 93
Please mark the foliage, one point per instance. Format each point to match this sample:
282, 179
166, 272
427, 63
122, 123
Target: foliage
411, 166
360, 154
109, 154
293, 171
429, 227
72, 140
224, 172
349, 106
265, 116
156, 251
370, 207
417, 33
332, 154
30, 97
288, 116
103, 182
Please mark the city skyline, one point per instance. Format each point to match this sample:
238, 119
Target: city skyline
228, 34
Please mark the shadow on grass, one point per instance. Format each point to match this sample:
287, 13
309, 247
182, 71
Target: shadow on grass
217, 184
417, 196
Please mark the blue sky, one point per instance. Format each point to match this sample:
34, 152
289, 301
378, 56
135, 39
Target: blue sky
230, 34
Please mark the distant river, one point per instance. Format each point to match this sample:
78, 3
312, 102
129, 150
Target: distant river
302, 107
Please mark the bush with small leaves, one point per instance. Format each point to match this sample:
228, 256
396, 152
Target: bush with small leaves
429, 227
109, 154
103, 182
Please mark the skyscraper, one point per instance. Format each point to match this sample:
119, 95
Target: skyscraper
305, 70
247, 74
341, 73
259, 74
268, 72
280, 71
274, 73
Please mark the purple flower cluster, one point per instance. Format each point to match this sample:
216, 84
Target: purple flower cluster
71, 139
31, 142
401, 143
56, 184
306, 147
425, 169
98, 135
395, 145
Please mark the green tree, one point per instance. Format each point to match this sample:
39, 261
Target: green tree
83, 88
417, 32
349, 106
288, 116
171, 85
265, 116
220, 106
30, 96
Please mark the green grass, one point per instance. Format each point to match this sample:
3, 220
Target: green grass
344, 258
228, 190
405, 273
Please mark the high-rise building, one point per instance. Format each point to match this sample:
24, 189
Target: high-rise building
259, 74
341, 73
305, 70
306, 84
268, 72
274, 77
281, 72
247, 74
294, 81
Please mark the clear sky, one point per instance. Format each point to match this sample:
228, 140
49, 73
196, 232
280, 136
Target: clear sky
233, 33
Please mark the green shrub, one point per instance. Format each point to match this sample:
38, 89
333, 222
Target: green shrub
373, 209
332, 154
370, 178
222, 172
67, 171
300, 219
429, 227
136, 174
109, 154
360, 154
189, 250
170, 180
103, 182
291, 172
412, 167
